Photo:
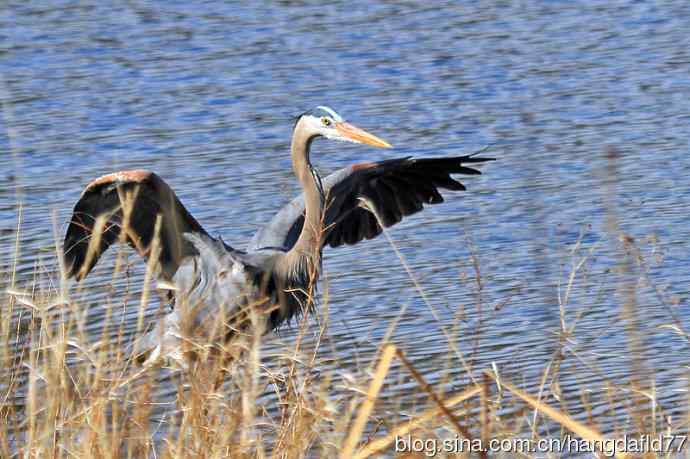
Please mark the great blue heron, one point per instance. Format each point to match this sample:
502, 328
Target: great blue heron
276, 273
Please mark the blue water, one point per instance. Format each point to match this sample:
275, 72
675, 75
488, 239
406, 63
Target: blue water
586, 105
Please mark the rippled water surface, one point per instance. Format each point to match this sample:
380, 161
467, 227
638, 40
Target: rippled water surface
586, 105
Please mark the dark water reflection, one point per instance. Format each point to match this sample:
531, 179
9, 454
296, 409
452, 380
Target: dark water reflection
204, 95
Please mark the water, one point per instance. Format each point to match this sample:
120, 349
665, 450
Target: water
586, 106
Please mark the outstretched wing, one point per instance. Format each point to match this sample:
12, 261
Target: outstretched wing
394, 188
129, 200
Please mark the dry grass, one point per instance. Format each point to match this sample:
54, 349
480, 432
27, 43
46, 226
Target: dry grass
65, 392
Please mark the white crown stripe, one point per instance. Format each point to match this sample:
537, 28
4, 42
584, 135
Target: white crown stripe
331, 112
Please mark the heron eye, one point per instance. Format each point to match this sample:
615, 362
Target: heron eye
326, 121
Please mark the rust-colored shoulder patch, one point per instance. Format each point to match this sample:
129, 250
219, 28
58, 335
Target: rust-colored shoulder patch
360, 166
136, 176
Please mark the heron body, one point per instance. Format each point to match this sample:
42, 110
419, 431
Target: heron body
218, 289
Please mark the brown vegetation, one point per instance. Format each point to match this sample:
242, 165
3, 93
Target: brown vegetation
65, 394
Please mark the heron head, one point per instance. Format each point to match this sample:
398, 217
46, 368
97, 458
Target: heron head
324, 121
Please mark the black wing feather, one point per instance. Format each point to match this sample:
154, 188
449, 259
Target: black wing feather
149, 197
396, 188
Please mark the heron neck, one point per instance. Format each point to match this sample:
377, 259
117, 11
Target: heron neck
309, 241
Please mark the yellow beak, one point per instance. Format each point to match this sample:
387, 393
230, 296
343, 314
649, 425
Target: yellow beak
360, 135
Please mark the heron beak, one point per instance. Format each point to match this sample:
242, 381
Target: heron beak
355, 134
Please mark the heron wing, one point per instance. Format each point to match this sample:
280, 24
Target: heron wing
393, 189
129, 200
